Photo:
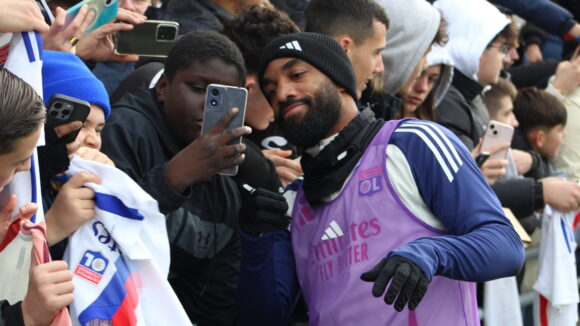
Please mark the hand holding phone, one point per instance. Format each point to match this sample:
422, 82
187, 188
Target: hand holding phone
497, 133
154, 38
64, 109
103, 12
220, 99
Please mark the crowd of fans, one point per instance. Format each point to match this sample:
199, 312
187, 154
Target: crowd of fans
361, 173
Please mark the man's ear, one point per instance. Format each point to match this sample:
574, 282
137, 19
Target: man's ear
251, 81
345, 41
161, 88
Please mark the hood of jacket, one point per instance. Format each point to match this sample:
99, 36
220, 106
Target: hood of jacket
471, 26
145, 102
413, 26
439, 56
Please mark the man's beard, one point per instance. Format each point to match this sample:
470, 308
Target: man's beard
322, 114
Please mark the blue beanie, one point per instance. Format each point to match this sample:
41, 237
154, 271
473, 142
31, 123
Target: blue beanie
64, 73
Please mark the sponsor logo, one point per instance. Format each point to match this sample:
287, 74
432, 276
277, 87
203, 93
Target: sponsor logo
294, 45
333, 231
92, 266
369, 181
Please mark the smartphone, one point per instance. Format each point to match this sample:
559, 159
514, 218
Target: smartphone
495, 134
154, 38
104, 11
219, 99
64, 109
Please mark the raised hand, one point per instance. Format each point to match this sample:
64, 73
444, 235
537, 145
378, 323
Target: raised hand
21, 16
98, 45
207, 155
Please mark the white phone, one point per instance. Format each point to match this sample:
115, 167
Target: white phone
495, 134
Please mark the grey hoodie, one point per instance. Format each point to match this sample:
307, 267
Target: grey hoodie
413, 26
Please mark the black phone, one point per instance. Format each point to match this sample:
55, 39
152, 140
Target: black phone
154, 38
63, 109
481, 158
219, 99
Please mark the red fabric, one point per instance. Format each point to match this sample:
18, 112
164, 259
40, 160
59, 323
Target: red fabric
543, 311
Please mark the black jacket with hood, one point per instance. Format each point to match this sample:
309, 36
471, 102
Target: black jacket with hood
201, 222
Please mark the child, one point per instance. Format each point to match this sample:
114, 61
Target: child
50, 285
542, 118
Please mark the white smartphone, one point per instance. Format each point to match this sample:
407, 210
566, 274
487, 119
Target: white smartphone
495, 134
218, 101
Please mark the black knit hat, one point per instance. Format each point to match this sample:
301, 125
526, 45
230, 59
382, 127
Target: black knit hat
319, 50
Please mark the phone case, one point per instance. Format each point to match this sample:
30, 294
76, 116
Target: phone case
105, 11
64, 109
495, 134
154, 38
218, 101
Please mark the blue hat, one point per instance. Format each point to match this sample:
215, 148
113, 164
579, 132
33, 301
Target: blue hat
64, 73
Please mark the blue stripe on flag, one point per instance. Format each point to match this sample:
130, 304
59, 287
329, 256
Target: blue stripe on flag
565, 235
109, 301
114, 205
28, 46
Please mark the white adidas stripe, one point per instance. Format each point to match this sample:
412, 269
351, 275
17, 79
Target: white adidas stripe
431, 146
442, 147
443, 136
294, 45
332, 232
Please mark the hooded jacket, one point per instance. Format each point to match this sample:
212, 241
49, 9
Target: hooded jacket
201, 222
409, 36
472, 26
439, 56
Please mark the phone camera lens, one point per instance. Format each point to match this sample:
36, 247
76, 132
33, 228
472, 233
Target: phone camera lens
213, 102
53, 113
492, 126
215, 92
166, 33
65, 112
495, 132
58, 105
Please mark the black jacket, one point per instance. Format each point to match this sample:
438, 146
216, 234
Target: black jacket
11, 315
201, 222
191, 14
456, 112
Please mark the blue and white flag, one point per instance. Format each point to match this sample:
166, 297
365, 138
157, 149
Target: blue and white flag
120, 258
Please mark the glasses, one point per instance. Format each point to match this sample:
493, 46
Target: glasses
503, 48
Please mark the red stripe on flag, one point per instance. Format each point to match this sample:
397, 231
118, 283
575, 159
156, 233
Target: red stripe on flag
576, 220
125, 315
543, 311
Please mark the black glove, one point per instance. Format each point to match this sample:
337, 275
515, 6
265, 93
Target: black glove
409, 282
262, 211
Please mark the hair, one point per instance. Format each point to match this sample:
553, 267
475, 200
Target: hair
254, 28
442, 36
537, 108
352, 17
501, 89
21, 110
203, 46
427, 109
509, 34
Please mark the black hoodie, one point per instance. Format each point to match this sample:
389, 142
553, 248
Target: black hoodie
201, 222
